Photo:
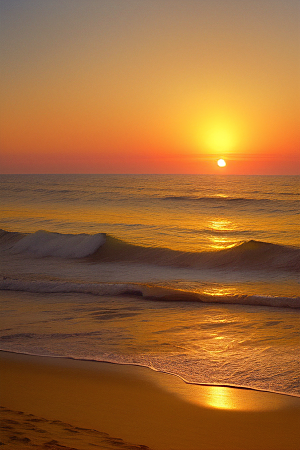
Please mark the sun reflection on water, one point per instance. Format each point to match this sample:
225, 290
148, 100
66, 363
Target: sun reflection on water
226, 398
221, 225
218, 291
223, 241
222, 398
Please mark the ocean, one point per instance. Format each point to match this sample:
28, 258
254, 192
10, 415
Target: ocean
196, 276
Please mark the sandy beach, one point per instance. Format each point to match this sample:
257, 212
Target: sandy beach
60, 403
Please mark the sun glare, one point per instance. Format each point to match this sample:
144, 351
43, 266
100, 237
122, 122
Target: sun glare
221, 163
220, 135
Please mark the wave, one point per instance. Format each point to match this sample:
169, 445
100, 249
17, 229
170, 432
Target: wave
249, 255
148, 292
216, 199
64, 287
221, 199
44, 243
238, 202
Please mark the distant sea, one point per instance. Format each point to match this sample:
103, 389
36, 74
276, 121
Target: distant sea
192, 275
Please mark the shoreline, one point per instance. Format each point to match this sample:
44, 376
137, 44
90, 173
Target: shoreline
191, 383
145, 407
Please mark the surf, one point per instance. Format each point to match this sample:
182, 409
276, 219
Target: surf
147, 291
101, 247
44, 243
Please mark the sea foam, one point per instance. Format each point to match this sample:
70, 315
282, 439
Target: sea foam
43, 243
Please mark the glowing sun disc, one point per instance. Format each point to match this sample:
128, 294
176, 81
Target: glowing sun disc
221, 163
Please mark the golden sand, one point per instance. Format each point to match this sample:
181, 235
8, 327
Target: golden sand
27, 431
61, 403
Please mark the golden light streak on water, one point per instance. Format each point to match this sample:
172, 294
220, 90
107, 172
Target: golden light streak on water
219, 291
220, 225
220, 243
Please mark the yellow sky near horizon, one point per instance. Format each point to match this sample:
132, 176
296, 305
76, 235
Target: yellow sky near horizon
153, 86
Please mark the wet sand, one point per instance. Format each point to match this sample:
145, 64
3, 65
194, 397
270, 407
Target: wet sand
59, 403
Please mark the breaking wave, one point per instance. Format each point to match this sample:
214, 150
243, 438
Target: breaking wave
148, 292
44, 243
249, 255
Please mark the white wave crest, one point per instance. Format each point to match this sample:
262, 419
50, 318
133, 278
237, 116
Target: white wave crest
44, 243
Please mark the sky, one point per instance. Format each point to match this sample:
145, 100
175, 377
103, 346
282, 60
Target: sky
150, 86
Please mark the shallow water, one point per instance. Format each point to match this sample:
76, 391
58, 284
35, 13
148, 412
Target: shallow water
223, 344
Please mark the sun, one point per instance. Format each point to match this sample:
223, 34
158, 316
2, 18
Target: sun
221, 163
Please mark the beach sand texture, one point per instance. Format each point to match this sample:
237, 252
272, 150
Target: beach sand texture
27, 431
61, 403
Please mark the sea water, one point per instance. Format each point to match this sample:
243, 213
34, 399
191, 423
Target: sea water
192, 275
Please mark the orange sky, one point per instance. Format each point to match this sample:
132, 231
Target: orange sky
168, 86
